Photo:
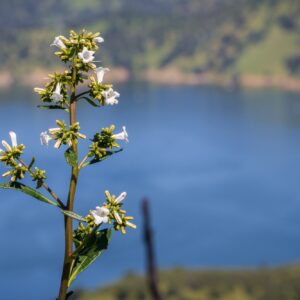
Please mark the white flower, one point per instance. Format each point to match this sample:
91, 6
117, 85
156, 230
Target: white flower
45, 138
39, 90
58, 43
100, 73
86, 55
110, 97
99, 39
120, 198
14, 144
100, 215
56, 95
122, 135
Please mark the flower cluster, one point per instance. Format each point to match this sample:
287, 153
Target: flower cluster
10, 156
78, 48
79, 52
56, 91
103, 93
17, 172
11, 152
106, 140
38, 176
109, 213
62, 134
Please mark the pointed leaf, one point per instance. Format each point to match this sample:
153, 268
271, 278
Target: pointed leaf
108, 154
90, 101
31, 163
71, 157
74, 215
95, 244
52, 107
27, 190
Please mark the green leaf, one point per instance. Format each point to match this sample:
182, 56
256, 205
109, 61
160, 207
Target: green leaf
52, 107
35, 194
94, 245
31, 163
90, 101
27, 190
71, 157
108, 154
73, 215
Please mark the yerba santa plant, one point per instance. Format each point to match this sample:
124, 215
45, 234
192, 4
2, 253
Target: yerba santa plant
62, 92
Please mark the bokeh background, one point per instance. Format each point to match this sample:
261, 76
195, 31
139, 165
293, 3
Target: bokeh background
210, 97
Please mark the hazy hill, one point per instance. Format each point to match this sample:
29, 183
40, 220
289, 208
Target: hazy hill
256, 37
178, 284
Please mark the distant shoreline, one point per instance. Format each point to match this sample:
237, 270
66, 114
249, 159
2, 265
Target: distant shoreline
167, 76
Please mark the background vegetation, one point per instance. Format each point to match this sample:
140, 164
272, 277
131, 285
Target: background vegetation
179, 284
259, 37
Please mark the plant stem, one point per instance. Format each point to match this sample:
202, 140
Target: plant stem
82, 162
70, 204
45, 186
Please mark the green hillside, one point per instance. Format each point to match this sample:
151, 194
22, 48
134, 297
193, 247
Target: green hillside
217, 36
178, 284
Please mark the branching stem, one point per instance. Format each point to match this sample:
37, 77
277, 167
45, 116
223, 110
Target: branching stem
45, 186
82, 162
70, 203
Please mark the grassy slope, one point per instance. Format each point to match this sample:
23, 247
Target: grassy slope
223, 37
178, 284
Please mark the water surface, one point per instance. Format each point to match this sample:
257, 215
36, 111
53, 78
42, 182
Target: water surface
220, 167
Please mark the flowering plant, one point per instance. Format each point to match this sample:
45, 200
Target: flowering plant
85, 243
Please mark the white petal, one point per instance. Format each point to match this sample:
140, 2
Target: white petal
105, 211
80, 55
99, 39
98, 220
102, 211
6, 145
100, 73
45, 138
125, 134
105, 219
58, 88
122, 135
121, 197
53, 130
86, 55
13, 138
58, 43
57, 144
111, 101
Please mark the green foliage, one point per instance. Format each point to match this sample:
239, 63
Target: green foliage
177, 284
35, 194
27, 190
103, 157
93, 245
71, 157
73, 215
247, 36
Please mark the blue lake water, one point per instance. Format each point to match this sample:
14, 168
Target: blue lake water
220, 167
